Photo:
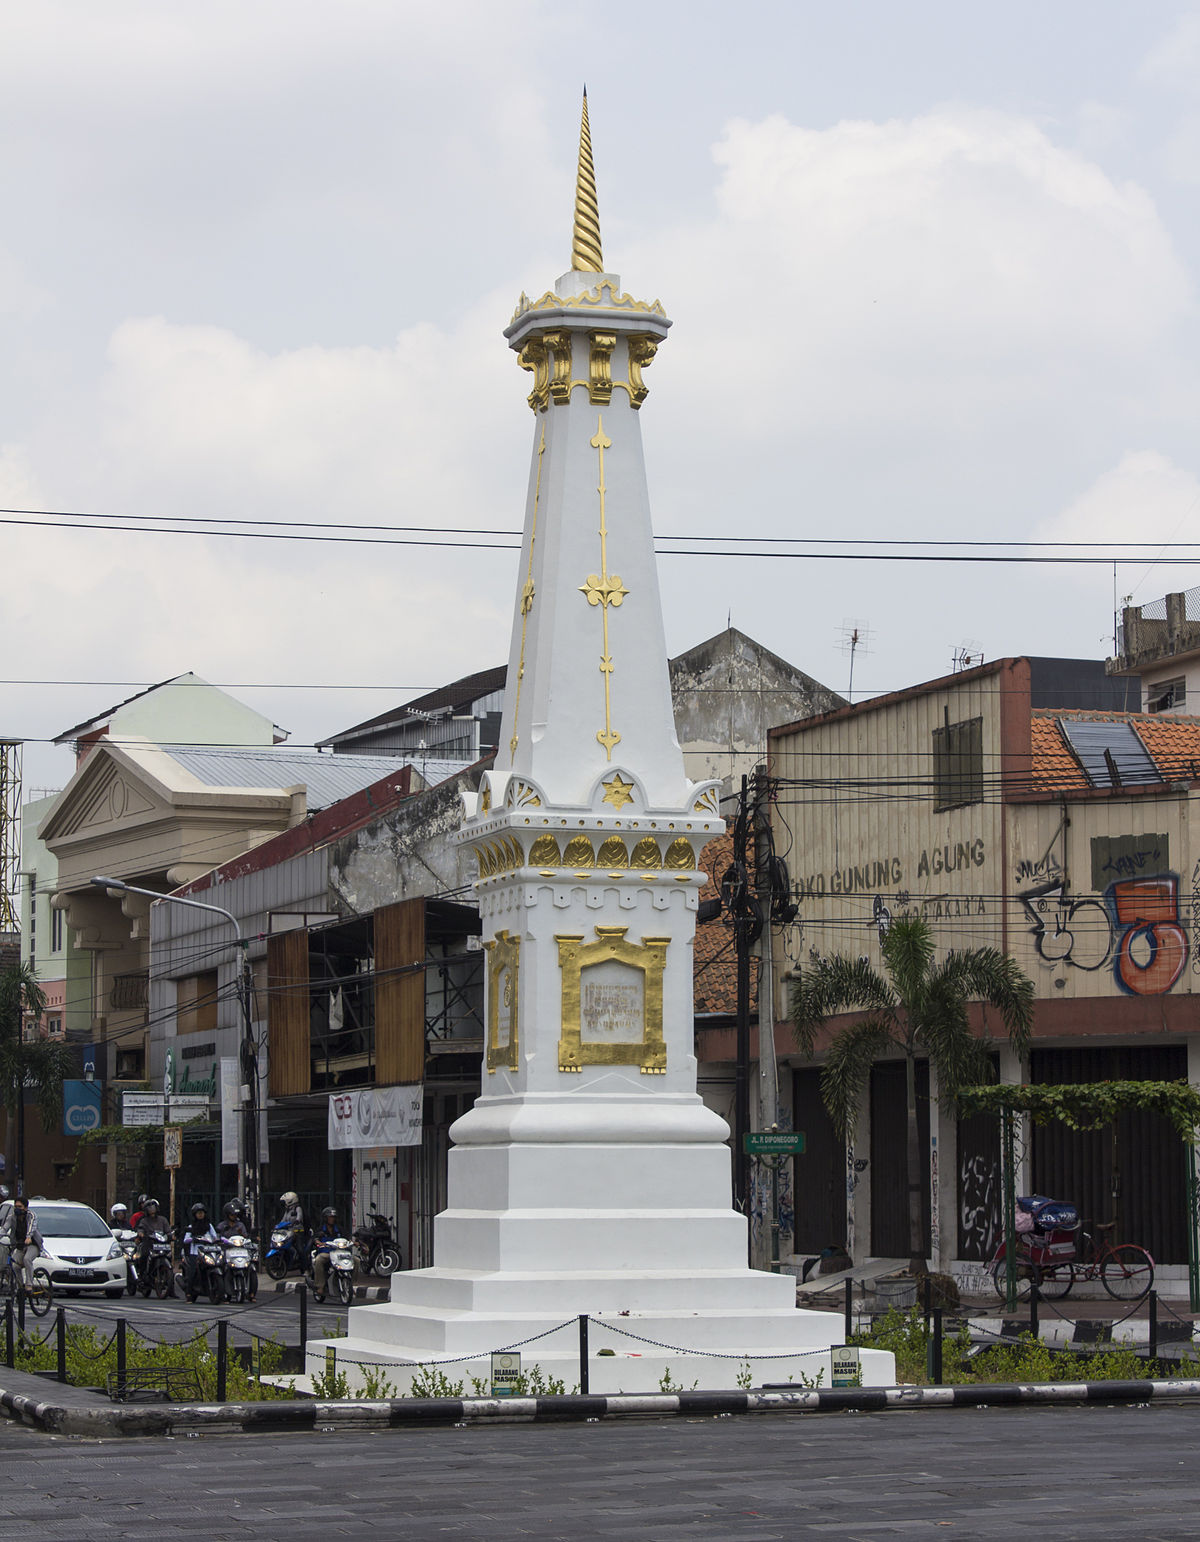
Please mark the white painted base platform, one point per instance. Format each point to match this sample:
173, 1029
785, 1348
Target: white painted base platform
718, 1328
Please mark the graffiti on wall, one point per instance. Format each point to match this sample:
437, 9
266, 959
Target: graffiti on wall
979, 1205
1135, 922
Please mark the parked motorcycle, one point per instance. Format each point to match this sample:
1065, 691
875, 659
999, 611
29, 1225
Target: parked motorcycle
210, 1272
129, 1247
374, 1248
241, 1275
288, 1250
158, 1275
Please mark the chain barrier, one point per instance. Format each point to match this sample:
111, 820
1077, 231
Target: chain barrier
710, 1354
78, 1349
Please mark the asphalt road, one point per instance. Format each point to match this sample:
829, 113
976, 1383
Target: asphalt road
1065, 1473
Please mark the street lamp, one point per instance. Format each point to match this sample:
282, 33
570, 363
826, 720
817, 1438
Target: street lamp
251, 1175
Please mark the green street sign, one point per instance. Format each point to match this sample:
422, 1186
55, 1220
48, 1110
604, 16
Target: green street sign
774, 1143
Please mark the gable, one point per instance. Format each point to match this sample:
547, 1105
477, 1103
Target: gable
101, 796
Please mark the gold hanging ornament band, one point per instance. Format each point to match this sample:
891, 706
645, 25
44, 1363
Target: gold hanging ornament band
586, 256
603, 589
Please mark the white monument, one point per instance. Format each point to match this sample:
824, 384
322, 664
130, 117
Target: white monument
589, 1177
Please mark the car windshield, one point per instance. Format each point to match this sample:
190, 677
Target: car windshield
69, 1221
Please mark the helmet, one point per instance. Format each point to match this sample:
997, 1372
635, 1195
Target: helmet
199, 1208
119, 1211
146, 1203
4, 1194
329, 1213
144, 1199
234, 1210
290, 1198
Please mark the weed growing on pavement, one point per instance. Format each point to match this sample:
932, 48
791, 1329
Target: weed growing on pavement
429, 1381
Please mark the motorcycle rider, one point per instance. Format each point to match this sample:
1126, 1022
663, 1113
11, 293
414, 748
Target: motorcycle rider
25, 1240
118, 1217
234, 1223
293, 1219
320, 1256
139, 1211
6, 1209
200, 1229
150, 1224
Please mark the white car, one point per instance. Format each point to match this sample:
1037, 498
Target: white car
79, 1251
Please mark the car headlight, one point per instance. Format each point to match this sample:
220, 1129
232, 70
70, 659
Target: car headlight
113, 1252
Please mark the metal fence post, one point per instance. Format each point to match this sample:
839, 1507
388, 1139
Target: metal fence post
21, 1310
1152, 1310
1009, 1162
9, 1345
849, 1311
935, 1349
583, 1354
303, 1295
222, 1357
60, 1342
1193, 1225
1033, 1306
121, 1362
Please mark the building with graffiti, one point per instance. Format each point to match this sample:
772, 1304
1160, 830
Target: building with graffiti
1016, 806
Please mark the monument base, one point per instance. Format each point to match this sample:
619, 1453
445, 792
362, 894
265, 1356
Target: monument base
658, 1330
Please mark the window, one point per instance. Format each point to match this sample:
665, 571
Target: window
196, 1003
131, 1065
1166, 695
56, 930
958, 763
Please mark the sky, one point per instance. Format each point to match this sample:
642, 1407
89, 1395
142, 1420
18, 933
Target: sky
932, 270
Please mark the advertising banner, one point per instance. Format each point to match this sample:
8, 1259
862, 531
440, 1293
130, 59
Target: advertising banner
376, 1116
81, 1107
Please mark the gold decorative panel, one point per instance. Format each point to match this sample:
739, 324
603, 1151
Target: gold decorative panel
600, 383
642, 348
504, 957
612, 1001
579, 853
612, 853
646, 854
560, 381
680, 855
617, 791
534, 357
521, 795
545, 853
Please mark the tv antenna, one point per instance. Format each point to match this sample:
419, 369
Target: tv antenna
967, 656
856, 638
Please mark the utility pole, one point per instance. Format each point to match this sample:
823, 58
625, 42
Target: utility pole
739, 902
768, 1069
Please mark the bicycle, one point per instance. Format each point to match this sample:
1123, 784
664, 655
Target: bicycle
39, 1296
1125, 1269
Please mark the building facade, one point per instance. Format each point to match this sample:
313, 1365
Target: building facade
1007, 809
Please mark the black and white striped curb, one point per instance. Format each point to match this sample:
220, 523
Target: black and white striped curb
314, 1415
361, 1292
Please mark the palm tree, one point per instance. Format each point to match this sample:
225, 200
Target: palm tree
917, 1006
41, 1065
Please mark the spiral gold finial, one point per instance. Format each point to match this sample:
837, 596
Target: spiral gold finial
586, 256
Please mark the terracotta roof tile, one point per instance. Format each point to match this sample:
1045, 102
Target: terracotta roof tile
714, 968
1173, 744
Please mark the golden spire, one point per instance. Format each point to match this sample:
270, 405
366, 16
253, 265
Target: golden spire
586, 256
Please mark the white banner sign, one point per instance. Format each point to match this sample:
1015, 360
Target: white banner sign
152, 1108
231, 1102
376, 1116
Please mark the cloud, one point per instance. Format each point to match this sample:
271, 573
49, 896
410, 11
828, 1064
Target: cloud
1147, 498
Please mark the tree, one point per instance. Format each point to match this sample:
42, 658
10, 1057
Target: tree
918, 1006
39, 1065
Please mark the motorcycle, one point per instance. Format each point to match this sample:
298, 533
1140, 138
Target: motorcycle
287, 1251
210, 1272
241, 1276
374, 1248
158, 1274
129, 1247
340, 1279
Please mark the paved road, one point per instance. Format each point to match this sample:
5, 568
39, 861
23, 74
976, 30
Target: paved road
981, 1475
272, 1315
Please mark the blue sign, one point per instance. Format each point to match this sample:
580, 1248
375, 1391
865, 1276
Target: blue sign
81, 1107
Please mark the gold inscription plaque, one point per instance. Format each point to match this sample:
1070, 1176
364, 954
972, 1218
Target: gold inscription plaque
612, 1001
504, 956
